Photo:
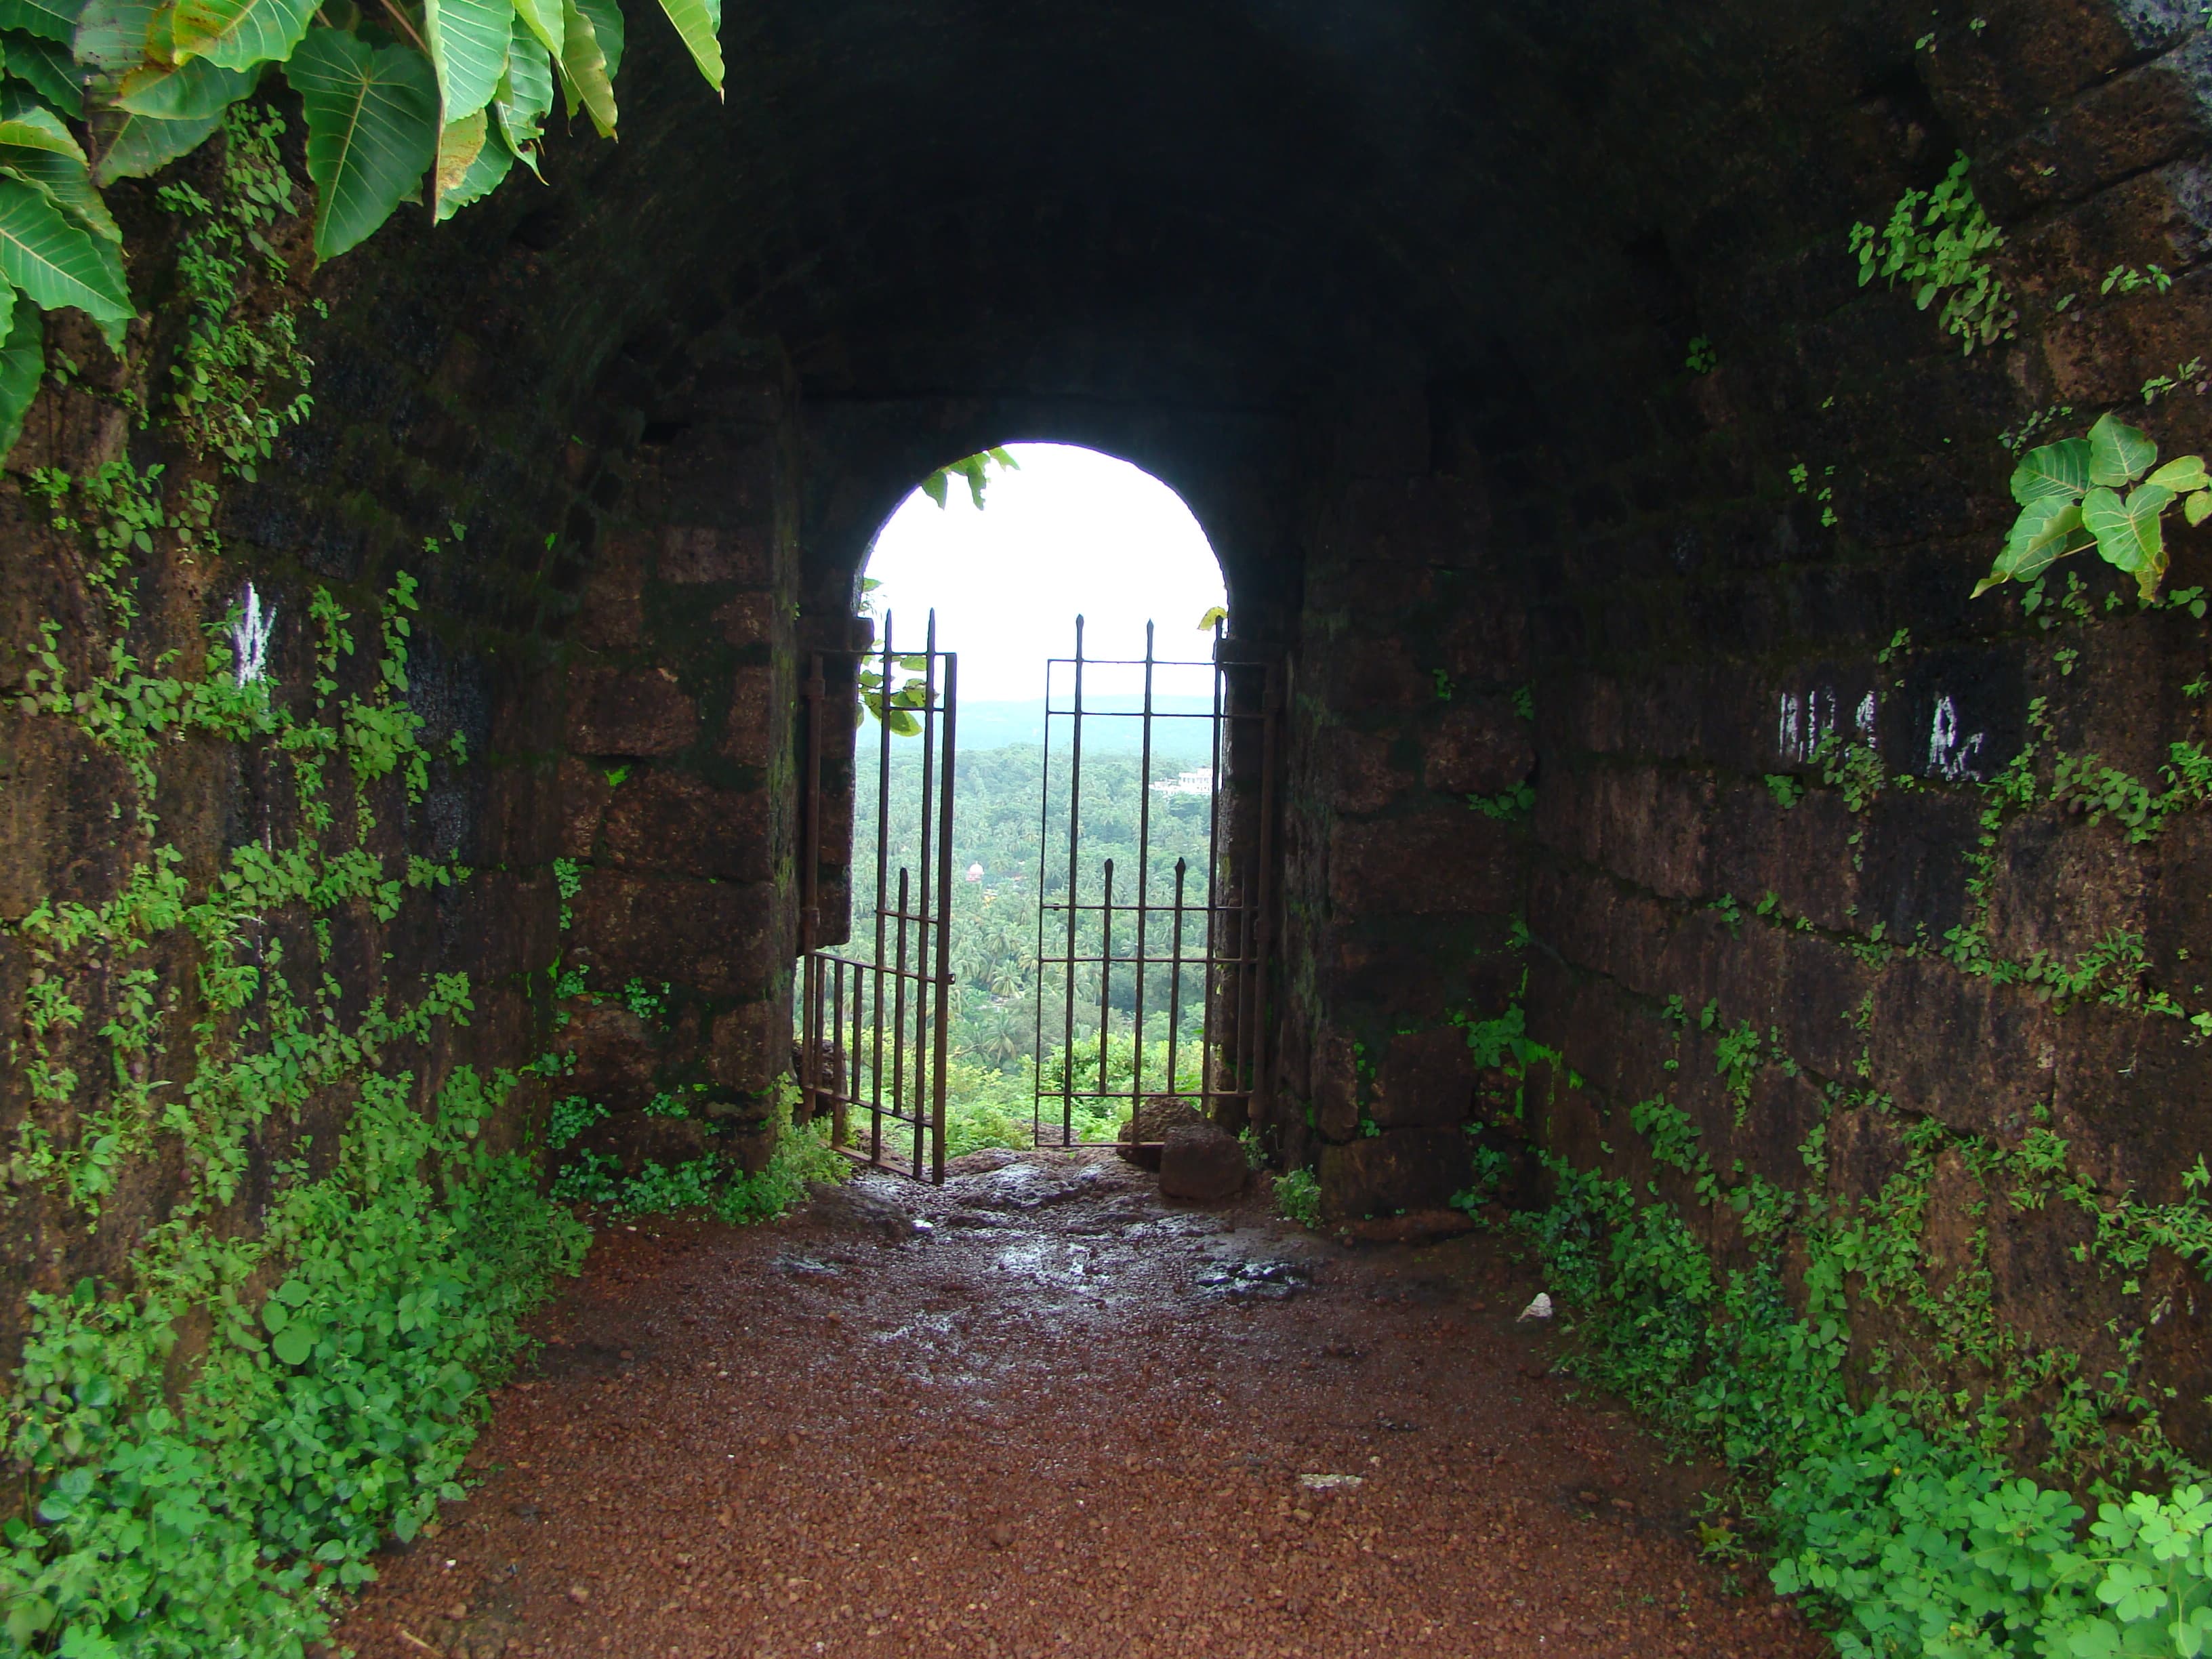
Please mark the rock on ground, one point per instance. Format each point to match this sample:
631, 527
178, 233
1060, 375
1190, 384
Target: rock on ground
1203, 1161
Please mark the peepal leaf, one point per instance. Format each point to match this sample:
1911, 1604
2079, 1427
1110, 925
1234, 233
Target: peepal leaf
2118, 454
468, 41
238, 33
459, 146
22, 367
371, 131
2048, 528
2197, 508
48, 68
2059, 469
525, 97
492, 162
542, 18
700, 24
485, 175
190, 91
50, 20
609, 28
2128, 534
56, 263
63, 180
111, 34
142, 145
585, 69
2182, 474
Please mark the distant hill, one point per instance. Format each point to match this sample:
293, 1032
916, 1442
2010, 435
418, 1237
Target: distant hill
1009, 724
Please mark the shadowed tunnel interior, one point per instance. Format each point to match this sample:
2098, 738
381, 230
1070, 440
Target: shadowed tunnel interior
1663, 827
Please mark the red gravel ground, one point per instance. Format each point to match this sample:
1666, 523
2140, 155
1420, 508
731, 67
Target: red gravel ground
1066, 1418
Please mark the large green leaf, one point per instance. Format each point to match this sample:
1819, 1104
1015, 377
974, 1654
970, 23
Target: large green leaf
468, 41
36, 149
2059, 469
48, 68
459, 146
700, 23
195, 88
2129, 533
608, 28
39, 129
141, 144
57, 263
371, 131
524, 96
111, 34
2048, 529
494, 161
238, 33
2118, 454
2182, 474
22, 367
542, 19
585, 71
50, 20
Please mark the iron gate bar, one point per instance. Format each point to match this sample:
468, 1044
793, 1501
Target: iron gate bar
847, 994
1238, 926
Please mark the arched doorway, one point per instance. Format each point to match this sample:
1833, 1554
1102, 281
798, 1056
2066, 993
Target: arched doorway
1046, 931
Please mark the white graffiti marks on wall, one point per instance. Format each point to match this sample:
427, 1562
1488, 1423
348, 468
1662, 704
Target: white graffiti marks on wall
1950, 756
1807, 721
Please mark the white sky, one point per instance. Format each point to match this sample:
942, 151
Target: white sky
1073, 530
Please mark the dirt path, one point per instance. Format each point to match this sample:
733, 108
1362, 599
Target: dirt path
1063, 1417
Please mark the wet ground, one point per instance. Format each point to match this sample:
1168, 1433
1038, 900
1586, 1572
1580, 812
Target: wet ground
1042, 1412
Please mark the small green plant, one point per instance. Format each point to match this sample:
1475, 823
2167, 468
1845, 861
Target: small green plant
1297, 1197
1515, 802
2069, 502
1939, 241
570, 1118
1444, 684
1786, 790
975, 470
1703, 359
2126, 279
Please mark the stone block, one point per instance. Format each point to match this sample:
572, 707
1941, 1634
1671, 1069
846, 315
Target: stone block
1481, 746
621, 711
695, 554
1362, 777
1427, 1080
1398, 1169
746, 620
584, 793
1202, 1162
610, 608
723, 939
1336, 1085
754, 728
750, 1047
1447, 861
613, 1051
673, 822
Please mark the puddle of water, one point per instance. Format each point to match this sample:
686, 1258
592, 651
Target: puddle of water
1242, 1281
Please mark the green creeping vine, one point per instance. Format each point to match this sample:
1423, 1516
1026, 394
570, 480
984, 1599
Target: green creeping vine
221, 1521
1899, 1518
1937, 241
181, 1506
413, 99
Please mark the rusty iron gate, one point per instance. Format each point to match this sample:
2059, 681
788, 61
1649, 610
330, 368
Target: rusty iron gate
873, 1025
1198, 934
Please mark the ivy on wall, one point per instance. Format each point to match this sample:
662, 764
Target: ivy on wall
429, 101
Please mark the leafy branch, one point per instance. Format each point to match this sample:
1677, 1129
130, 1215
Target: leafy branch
2069, 502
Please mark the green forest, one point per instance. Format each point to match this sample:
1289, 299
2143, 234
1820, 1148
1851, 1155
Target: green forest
1010, 861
